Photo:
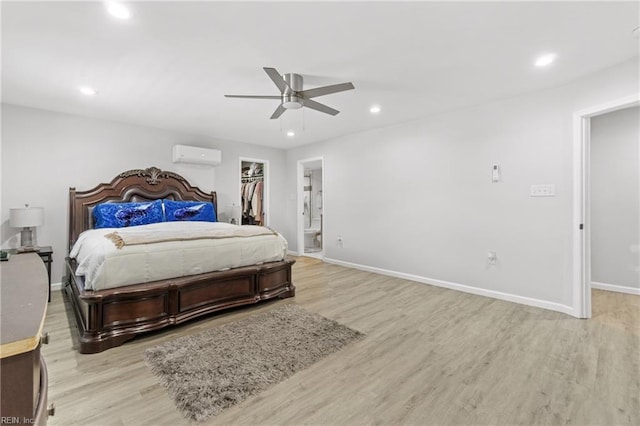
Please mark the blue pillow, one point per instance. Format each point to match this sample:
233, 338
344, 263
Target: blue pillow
197, 211
120, 215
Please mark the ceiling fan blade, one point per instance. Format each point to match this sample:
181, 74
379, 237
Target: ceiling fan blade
275, 76
326, 90
319, 107
278, 112
253, 97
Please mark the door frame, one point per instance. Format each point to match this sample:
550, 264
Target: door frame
582, 199
300, 204
265, 189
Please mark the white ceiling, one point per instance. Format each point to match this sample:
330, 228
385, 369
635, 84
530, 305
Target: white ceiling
170, 65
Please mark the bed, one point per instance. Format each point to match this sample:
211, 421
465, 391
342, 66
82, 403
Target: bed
107, 315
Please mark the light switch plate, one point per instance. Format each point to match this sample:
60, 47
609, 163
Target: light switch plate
548, 190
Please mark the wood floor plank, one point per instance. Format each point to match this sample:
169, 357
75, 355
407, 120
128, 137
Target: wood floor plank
430, 356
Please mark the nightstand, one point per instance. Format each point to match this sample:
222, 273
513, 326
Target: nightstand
46, 254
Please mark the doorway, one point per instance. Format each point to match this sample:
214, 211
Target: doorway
254, 192
615, 213
311, 216
582, 221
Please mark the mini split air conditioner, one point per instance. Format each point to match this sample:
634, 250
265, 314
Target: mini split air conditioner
196, 155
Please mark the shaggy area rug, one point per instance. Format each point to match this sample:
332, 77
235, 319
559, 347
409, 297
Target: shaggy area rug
210, 371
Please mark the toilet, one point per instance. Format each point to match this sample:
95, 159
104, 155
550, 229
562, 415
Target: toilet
310, 234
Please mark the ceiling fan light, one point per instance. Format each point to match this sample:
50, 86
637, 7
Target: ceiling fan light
292, 105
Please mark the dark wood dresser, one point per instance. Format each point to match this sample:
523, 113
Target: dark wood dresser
23, 373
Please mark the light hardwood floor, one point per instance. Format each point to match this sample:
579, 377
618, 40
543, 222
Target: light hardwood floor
431, 356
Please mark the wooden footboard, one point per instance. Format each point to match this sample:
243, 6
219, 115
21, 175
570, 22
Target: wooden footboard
108, 318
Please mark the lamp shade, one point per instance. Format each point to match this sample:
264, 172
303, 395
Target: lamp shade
26, 216
234, 212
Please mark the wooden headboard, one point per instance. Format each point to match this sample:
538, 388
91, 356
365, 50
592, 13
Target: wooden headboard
133, 185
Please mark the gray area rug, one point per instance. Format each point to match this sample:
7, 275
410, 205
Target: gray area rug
210, 371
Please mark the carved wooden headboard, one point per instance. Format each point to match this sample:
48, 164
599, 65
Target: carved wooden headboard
133, 185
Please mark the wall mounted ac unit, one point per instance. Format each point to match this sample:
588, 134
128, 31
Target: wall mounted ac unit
196, 155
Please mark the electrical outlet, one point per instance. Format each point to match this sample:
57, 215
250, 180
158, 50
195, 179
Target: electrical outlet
492, 258
340, 240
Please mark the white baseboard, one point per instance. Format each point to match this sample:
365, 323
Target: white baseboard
292, 253
56, 286
616, 288
552, 306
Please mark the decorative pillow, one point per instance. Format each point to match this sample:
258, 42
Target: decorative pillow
196, 211
120, 215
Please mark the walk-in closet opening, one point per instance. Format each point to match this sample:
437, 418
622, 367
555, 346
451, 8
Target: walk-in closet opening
254, 190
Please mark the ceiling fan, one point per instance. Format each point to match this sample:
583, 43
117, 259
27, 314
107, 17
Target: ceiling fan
293, 97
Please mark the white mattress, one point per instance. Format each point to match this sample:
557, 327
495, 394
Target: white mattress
104, 266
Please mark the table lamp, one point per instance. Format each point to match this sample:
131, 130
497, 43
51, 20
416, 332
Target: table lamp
234, 213
26, 218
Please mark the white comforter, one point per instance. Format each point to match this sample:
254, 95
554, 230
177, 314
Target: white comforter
105, 266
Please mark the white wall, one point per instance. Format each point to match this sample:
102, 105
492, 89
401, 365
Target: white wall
44, 153
615, 199
424, 205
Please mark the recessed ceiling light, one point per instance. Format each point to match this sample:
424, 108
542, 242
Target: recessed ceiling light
86, 90
291, 133
375, 109
545, 60
118, 10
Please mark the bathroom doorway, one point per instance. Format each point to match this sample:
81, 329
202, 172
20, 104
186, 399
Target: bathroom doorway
311, 207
